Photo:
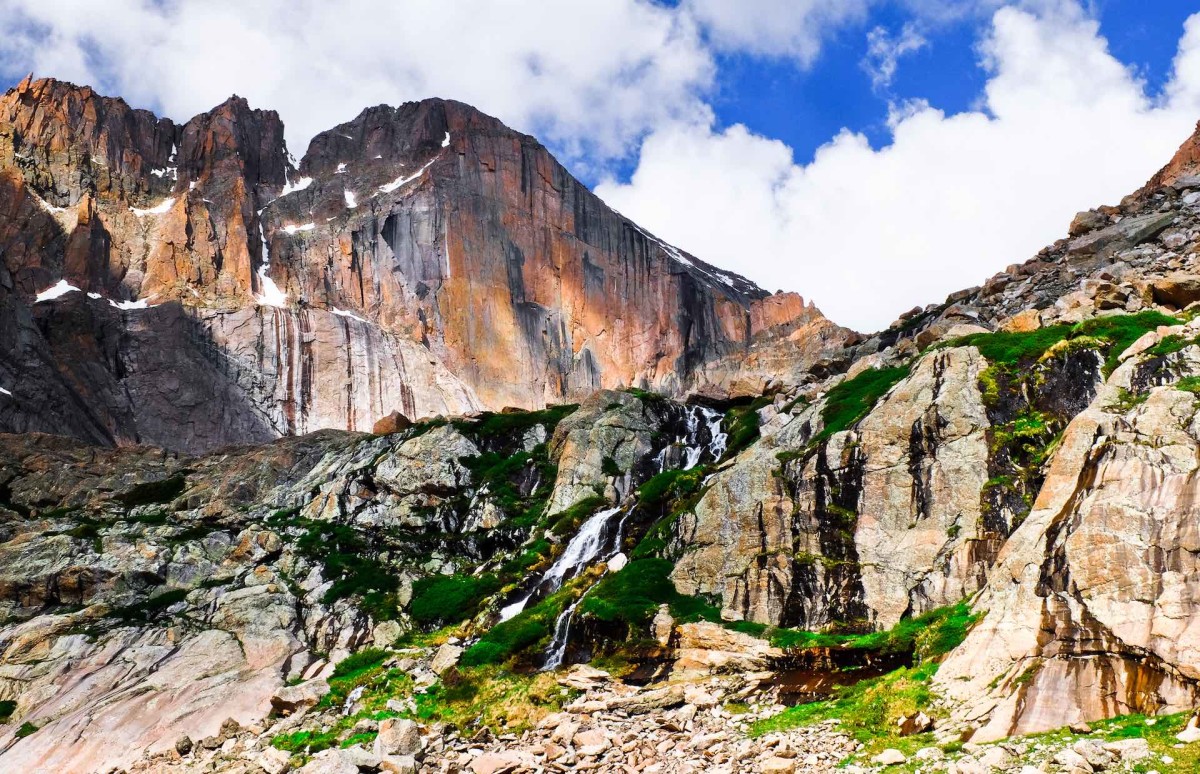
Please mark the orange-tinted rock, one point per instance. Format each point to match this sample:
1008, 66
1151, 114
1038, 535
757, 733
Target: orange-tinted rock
423, 258
392, 423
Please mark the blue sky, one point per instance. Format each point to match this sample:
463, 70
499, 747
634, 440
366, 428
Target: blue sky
805, 107
761, 135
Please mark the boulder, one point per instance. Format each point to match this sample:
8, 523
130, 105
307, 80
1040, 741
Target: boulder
392, 423
293, 698
1088, 220
1129, 232
272, 761
708, 648
917, 723
582, 677
398, 736
496, 762
1176, 290
591, 742
1022, 322
662, 625
330, 762
446, 657
398, 764
1191, 732
889, 757
777, 765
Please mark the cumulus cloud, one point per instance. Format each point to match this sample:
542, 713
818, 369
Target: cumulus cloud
869, 232
590, 77
884, 51
789, 28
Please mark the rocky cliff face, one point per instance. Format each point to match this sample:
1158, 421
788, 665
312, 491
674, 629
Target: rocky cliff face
205, 583
425, 259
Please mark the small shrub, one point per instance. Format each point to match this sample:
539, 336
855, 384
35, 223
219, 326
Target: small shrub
359, 662
446, 599
26, 729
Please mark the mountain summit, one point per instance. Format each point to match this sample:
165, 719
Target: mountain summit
423, 258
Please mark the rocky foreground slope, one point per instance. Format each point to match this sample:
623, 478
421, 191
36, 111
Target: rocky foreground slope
966, 543
424, 258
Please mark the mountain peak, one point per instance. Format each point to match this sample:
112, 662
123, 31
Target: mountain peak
423, 258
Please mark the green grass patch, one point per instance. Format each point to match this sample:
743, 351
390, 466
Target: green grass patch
633, 595
491, 697
365, 738
306, 742
867, 710
439, 600
928, 636
493, 425
1114, 332
852, 399
347, 558
26, 729
742, 423
532, 628
1013, 347
1189, 384
1120, 331
357, 663
1127, 401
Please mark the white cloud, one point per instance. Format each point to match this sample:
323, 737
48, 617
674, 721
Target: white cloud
884, 51
590, 77
790, 28
869, 232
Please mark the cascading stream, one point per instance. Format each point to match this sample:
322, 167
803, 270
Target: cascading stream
557, 651
599, 537
699, 421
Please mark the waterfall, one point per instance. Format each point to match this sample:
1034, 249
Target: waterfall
701, 421
597, 539
593, 537
718, 438
562, 631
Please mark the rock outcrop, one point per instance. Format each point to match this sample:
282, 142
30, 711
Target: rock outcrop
1091, 601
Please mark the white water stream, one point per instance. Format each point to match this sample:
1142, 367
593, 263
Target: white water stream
596, 537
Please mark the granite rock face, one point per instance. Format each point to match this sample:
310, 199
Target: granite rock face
1092, 600
878, 522
425, 259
